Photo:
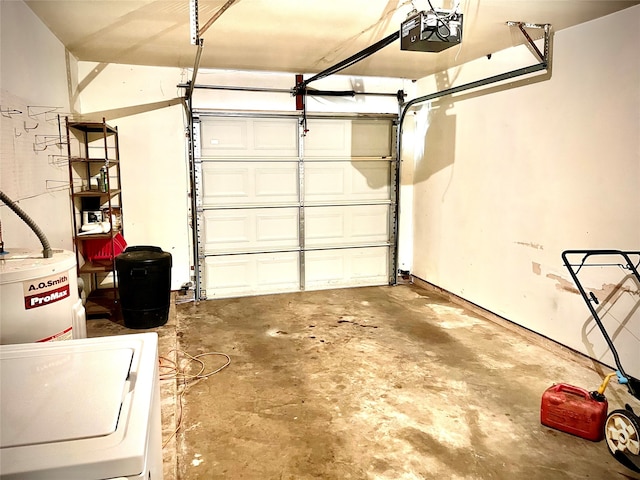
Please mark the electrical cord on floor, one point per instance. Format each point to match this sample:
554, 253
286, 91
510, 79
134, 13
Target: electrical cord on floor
170, 370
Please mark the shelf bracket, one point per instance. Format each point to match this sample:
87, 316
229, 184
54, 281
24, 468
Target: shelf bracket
46, 141
9, 111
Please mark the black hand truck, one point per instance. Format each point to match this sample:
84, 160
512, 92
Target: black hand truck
622, 427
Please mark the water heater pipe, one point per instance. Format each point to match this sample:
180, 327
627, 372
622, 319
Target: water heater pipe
46, 248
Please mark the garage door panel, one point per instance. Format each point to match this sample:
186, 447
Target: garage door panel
227, 274
279, 137
371, 138
277, 228
370, 223
225, 231
322, 181
327, 138
348, 138
224, 135
235, 137
325, 268
276, 182
346, 225
249, 183
242, 275
346, 267
324, 226
370, 180
347, 181
275, 272
224, 183
250, 230
369, 265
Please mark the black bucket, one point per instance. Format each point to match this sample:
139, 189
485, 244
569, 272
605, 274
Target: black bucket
144, 284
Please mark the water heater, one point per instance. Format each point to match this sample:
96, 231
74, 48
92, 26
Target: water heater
40, 300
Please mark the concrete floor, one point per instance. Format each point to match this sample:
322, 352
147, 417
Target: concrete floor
368, 383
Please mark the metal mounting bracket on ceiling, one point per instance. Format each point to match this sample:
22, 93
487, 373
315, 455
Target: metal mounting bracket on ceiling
522, 25
193, 21
195, 40
197, 32
216, 16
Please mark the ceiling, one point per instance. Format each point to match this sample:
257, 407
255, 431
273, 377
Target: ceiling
297, 36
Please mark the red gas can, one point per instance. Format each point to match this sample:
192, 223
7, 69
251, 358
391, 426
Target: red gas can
574, 410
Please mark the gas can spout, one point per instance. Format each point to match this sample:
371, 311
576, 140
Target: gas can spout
605, 383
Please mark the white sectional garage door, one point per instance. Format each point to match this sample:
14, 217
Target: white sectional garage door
283, 212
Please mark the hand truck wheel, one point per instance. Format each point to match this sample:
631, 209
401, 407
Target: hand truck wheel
622, 433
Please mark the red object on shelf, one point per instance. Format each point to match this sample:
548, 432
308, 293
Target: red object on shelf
100, 248
574, 410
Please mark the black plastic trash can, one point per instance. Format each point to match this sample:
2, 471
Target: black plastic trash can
144, 285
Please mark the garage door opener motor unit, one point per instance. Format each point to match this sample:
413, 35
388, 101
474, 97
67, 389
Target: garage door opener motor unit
431, 31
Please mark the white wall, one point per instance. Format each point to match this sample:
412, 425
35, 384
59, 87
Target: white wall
510, 179
34, 90
143, 103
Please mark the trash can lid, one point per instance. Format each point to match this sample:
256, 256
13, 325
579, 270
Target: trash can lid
144, 255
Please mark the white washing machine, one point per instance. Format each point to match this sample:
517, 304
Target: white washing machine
85, 409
